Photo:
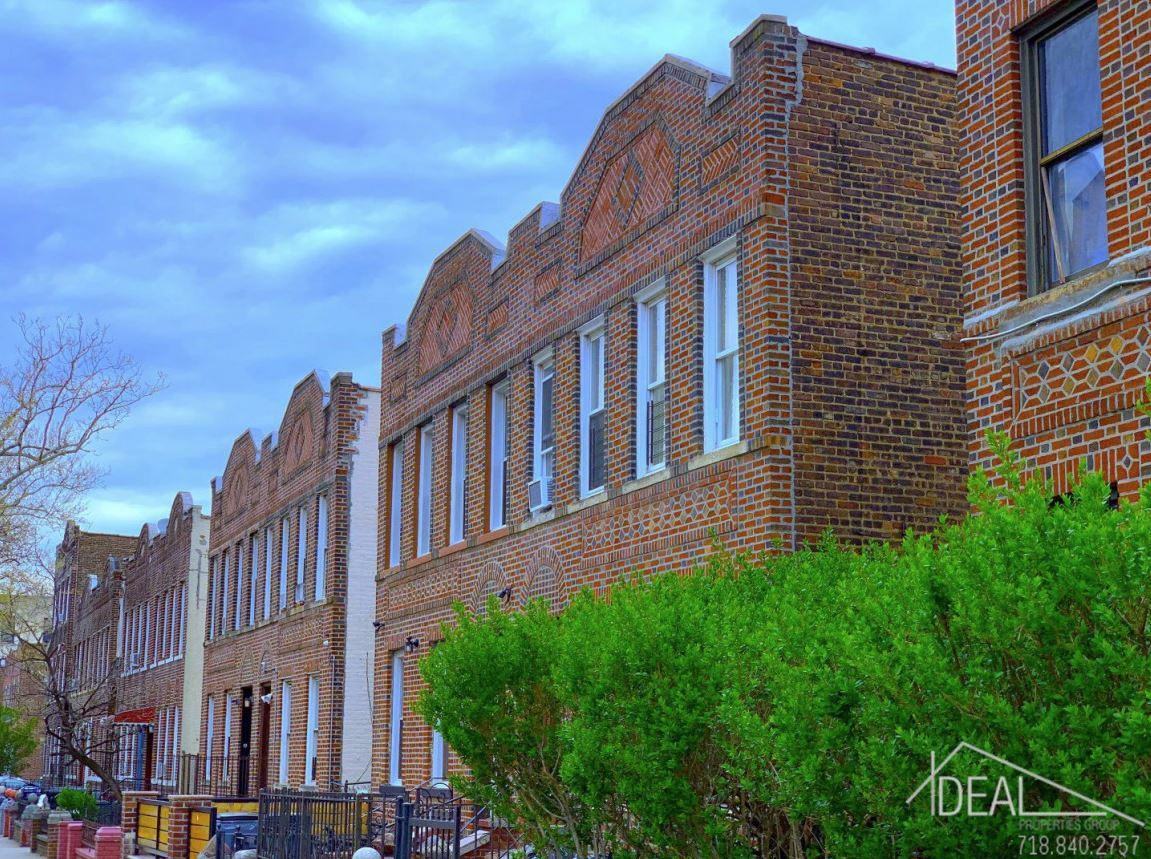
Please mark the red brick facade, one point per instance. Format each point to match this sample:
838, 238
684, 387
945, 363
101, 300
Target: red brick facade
162, 645
321, 463
828, 175
1058, 368
85, 618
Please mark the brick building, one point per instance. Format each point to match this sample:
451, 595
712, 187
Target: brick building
161, 646
288, 652
1056, 230
84, 626
740, 322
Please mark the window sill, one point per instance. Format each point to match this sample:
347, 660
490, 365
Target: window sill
420, 560
1057, 307
494, 534
590, 500
656, 475
452, 548
718, 455
539, 517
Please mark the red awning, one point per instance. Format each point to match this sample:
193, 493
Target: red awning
141, 716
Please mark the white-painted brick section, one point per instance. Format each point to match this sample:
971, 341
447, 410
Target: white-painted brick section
360, 644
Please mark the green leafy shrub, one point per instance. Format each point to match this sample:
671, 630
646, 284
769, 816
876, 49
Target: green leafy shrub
81, 803
788, 705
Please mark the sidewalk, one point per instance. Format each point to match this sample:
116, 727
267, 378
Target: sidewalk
10, 849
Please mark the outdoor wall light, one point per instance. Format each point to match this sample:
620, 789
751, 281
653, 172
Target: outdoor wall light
411, 644
377, 625
505, 595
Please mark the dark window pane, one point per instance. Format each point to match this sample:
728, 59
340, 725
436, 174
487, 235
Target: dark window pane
1069, 69
595, 451
656, 428
1079, 209
546, 416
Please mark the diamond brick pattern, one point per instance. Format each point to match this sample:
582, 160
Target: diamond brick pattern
636, 185
719, 162
1108, 365
447, 329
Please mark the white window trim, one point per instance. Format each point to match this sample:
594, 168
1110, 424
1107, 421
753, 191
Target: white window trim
285, 536
497, 456
395, 727
458, 484
644, 300
543, 366
718, 257
311, 741
237, 609
301, 549
587, 333
225, 597
439, 773
395, 505
269, 547
321, 587
424, 493
227, 734
209, 751
285, 728
253, 575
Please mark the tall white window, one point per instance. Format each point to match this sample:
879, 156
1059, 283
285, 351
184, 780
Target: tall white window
301, 551
498, 457
395, 504
175, 740
721, 352
225, 597
215, 590
397, 721
285, 535
322, 548
313, 738
285, 727
543, 433
592, 442
459, 481
253, 576
439, 759
226, 767
651, 381
424, 505
267, 572
183, 615
210, 750
238, 608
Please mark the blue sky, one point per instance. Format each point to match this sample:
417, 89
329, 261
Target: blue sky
243, 190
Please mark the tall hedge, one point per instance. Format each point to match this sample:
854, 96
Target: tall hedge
788, 705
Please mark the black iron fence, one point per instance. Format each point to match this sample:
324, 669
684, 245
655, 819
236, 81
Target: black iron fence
215, 775
433, 824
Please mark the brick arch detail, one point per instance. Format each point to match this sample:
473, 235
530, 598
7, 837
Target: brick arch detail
546, 578
491, 580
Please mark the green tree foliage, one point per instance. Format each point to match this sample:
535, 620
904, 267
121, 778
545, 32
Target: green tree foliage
788, 705
17, 740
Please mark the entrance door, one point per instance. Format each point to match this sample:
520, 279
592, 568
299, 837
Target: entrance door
265, 727
245, 741
146, 752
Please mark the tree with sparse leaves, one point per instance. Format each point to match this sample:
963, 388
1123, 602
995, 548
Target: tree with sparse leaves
66, 386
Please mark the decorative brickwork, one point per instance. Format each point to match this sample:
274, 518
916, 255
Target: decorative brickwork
830, 174
1060, 370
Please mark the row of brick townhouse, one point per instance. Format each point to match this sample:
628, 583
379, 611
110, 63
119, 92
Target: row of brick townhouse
128, 626
737, 324
768, 303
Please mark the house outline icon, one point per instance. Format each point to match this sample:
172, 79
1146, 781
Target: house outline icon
1105, 809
